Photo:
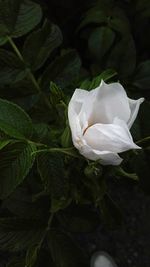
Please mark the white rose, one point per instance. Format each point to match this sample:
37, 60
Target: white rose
100, 120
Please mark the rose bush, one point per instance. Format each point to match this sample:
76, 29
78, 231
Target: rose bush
100, 120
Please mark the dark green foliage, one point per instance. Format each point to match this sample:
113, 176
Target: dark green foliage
17, 234
11, 68
105, 75
65, 253
100, 41
49, 193
18, 17
123, 52
14, 121
32, 255
110, 44
15, 162
52, 171
40, 44
63, 71
142, 76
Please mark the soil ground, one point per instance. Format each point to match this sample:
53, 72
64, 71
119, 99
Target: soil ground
130, 244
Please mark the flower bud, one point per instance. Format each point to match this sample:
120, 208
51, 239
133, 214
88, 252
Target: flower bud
92, 171
66, 140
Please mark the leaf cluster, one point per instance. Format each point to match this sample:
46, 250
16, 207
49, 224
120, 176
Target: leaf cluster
49, 193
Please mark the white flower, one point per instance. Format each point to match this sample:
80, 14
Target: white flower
100, 120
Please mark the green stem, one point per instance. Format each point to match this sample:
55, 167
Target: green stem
63, 104
37, 143
15, 48
68, 151
47, 229
144, 140
32, 78
50, 221
30, 74
123, 173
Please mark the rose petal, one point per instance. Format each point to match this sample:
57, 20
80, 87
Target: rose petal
105, 103
74, 124
134, 107
110, 137
105, 157
77, 124
78, 98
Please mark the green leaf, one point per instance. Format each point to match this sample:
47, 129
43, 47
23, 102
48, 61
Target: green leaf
18, 234
17, 17
142, 76
97, 14
14, 121
40, 44
66, 138
29, 15
8, 15
100, 41
40, 113
106, 75
9, 130
52, 171
93, 16
95, 82
22, 92
15, 162
42, 133
106, 13
21, 202
32, 255
119, 172
3, 40
63, 71
64, 251
119, 22
143, 8
56, 94
11, 68
4, 143
123, 57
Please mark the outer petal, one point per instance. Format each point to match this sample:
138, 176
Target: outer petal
78, 98
134, 107
105, 103
74, 125
110, 137
74, 109
105, 157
